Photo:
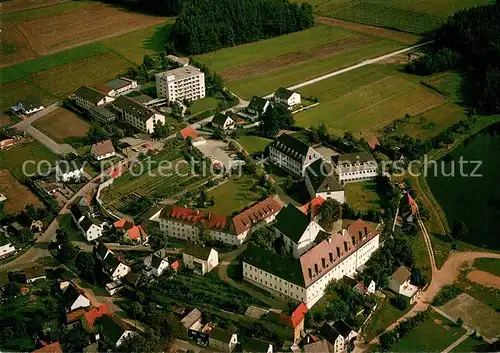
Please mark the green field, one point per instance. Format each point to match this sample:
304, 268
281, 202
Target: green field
469, 345
253, 144
366, 100
45, 11
12, 92
448, 83
382, 318
433, 335
14, 158
201, 105
410, 16
233, 195
362, 196
489, 265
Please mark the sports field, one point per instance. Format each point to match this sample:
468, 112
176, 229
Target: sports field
62, 124
404, 15
366, 100
260, 68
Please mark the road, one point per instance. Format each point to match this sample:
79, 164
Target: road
353, 67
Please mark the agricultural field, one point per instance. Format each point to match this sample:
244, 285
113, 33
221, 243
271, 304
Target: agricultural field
433, 335
362, 196
253, 144
62, 124
409, 16
366, 100
12, 92
21, 5
18, 195
448, 83
234, 195
14, 158
260, 68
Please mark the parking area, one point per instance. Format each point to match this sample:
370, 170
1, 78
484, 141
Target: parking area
220, 153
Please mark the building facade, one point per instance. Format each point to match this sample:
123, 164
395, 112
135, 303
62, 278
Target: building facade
86, 97
186, 82
322, 181
138, 115
287, 97
355, 167
200, 259
292, 155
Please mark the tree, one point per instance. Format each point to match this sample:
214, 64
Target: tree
138, 310
337, 309
157, 239
160, 131
459, 231
275, 118
399, 302
263, 238
148, 62
85, 263
460, 322
218, 134
330, 212
62, 236
66, 253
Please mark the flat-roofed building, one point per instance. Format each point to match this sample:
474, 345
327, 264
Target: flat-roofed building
186, 82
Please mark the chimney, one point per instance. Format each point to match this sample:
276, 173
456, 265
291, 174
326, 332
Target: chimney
366, 231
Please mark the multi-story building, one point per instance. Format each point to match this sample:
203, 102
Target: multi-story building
87, 97
306, 278
184, 223
200, 259
292, 155
185, 82
355, 167
287, 97
117, 86
138, 115
322, 181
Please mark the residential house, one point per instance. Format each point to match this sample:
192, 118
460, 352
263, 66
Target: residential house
190, 133
156, 263
297, 229
295, 321
187, 82
102, 252
321, 180
322, 346
355, 167
131, 232
399, 283
102, 150
360, 285
34, 273
114, 330
117, 86
199, 258
74, 319
90, 229
69, 170
103, 113
27, 106
74, 297
223, 122
292, 155
114, 287
258, 106
287, 97
184, 223
339, 334
114, 268
87, 97
138, 115
54, 347
6, 247
222, 340
193, 317
305, 278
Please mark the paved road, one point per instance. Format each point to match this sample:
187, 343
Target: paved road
353, 67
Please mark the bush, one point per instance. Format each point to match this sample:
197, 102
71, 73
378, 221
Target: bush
446, 294
399, 302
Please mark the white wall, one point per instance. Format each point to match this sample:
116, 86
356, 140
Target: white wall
80, 302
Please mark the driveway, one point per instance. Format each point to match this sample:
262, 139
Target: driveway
216, 150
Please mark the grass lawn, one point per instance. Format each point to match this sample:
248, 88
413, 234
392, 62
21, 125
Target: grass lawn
14, 91
469, 345
409, 16
371, 101
66, 223
448, 83
489, 265
233, 195
14, 158
384, 315
62, 124
433, 335
204, 104
422, 261
253, 144
362, 196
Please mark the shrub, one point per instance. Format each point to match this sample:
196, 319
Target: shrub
446, 294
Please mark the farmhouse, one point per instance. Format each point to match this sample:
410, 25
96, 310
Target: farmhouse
102, 113
338, 334
321, 181
131, 232
199, 258
399, 283
102, 150
193, 317
185, 82
69, 170
181, 222
87, 97
117, 86
137, 114
190, 133
292, 155
27, 106
257, 106
223, 122
305, 278
295, 321
355, 167
287, 97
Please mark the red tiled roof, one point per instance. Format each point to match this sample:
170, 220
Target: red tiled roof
137, 232
123, 224
372, 141
176, 264
74, 315
182, 214
214, 221
361, 287
50, 348
299, 315
359, 230
188, 132
103, 147
315, 204
92, 315
256, 213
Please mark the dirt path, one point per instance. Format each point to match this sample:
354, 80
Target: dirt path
485, 279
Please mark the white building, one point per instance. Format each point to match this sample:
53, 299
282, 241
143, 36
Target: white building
74, 297
6, 248
156, 263
115, 330
306, 278
292, 155
114, 268
102, 150
118, 86
399, 283
355, 167
200, 259
185, 82
184, 223
223, 122
87, 97
322, 181
69, 170
138, 115
338, 334
90, 229
287, 97
27, 106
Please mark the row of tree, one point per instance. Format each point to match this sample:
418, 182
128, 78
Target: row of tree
161, 7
